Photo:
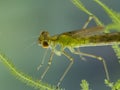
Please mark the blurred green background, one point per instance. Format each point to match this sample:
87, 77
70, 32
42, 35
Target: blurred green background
21, 22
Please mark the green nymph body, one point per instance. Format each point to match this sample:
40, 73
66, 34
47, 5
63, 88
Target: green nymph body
94, 36
80, 38
95, 40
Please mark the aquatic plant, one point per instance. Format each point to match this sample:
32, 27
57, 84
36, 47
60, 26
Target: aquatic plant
25, 78
112, 85
84, 85
115, 25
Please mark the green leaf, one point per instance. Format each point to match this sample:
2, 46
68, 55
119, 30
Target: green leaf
84, 85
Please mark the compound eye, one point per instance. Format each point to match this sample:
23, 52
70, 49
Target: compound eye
45, 44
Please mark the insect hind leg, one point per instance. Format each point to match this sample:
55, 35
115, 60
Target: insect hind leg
84, 27
96, 57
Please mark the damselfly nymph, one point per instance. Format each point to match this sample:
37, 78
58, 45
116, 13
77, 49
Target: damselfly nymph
85, 37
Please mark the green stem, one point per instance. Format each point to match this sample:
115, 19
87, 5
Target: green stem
27, 79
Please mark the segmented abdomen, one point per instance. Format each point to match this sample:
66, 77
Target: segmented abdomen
103, 39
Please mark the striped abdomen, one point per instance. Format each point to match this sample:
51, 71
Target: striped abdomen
103, 39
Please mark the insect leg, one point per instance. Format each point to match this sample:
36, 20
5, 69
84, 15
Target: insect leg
96, 57
43, 59
98, 23
67, 69
49, 64
81, 56
87, 22
84, 27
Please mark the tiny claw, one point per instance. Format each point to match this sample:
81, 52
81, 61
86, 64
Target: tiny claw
57, 87
40, 80
38, 68
82, 58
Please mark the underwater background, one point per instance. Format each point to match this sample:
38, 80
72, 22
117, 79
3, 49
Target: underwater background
21, 22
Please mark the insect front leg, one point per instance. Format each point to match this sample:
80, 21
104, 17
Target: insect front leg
96, 57
54, 51
43, 60
49, 64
